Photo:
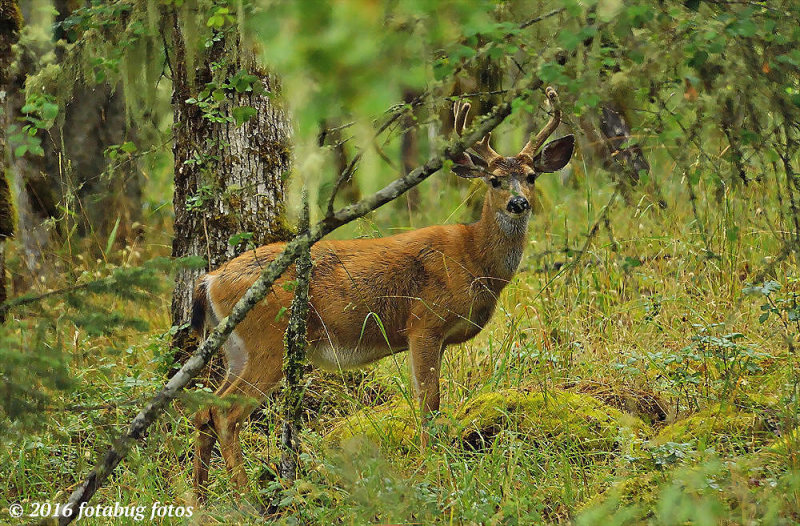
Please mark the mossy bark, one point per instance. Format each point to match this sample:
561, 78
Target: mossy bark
294, 360
10, 24
229, 178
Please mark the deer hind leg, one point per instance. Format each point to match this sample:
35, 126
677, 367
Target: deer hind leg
206, 431
245, 393
204, 443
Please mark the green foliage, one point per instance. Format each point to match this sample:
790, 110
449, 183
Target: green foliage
711, 367
40, 112
655, 311
38, 355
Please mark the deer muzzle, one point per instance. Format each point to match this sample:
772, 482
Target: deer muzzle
518, 205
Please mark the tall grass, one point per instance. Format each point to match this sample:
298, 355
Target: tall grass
652, 320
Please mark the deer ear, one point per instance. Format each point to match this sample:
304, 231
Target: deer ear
555, 155
468, 166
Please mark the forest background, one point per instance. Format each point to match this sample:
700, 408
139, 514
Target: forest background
642, 366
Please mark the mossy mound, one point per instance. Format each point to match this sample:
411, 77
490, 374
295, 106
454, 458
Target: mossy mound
725, 428
392, 425
561, 418
638, 493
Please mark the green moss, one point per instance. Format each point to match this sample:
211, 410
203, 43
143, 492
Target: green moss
558, 417
561, 418
788, 444
725, 428
392, 425
11, 14
641, 489
639, 494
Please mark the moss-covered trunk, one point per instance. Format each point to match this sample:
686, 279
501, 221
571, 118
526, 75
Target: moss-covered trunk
10, 23
229, 176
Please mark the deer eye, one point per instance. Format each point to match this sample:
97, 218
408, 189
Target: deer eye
495, 182
531, 178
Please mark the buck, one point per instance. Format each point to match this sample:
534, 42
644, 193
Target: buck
369, 298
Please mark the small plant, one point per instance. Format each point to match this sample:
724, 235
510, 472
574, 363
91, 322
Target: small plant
711, 367
669, 454
785, 308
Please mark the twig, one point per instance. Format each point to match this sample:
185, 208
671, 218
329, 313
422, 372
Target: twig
27, 299
532, 21
345, 176
595, 228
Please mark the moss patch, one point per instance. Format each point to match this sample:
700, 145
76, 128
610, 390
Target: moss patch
788, 444
7, 213
639, 493
393, 425
558, 417
725, 428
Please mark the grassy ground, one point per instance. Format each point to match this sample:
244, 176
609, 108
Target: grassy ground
637, 386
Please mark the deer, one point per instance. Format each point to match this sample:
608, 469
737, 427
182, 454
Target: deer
419, 291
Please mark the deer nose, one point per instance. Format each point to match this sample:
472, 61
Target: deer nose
518, 204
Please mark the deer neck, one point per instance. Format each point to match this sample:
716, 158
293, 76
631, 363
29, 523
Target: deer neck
501, 240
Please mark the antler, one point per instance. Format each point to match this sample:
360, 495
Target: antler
482, 147
534, 144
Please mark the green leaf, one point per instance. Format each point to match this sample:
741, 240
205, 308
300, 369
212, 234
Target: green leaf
235, 239
242, 114
112, 236
128, 147
49, 111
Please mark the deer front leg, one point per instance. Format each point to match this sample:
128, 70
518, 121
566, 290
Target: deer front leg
425, 350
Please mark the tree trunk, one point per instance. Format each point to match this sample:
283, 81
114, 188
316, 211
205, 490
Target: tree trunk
229, 177
10, 24
74, 165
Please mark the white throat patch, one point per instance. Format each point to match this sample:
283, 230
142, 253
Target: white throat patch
513, 228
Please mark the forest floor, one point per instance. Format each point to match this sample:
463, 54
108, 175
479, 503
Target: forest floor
649, 382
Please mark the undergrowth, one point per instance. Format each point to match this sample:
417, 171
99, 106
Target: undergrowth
643, 380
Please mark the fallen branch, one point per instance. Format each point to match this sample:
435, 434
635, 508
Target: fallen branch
261, 287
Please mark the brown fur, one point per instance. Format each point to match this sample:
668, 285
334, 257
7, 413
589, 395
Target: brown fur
417, 291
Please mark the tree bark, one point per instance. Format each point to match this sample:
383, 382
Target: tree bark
10, 24
229, 178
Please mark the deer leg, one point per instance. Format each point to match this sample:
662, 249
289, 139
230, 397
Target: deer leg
425, 348
247, 390
204, 443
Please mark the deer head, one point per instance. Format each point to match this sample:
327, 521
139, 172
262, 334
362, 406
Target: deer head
511, 180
